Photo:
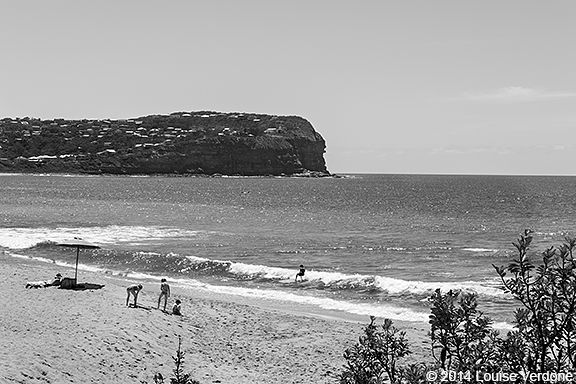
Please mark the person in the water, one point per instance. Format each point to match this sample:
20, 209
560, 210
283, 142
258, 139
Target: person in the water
300, 273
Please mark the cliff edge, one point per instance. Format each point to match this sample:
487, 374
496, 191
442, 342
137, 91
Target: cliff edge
187, 143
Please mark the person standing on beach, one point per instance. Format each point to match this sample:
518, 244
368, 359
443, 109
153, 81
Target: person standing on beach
300, 273
133, 290
164, 293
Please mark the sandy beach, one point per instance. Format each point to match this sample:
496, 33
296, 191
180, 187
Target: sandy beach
51, 335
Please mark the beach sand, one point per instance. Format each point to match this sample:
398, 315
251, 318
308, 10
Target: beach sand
51, 335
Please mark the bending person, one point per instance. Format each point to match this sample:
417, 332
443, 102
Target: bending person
133, 290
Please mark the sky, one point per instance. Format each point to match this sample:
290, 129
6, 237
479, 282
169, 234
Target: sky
417, 87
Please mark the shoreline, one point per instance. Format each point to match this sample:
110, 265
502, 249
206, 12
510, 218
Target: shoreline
52, 335
298, 175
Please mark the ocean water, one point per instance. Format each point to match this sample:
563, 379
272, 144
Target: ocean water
371, 244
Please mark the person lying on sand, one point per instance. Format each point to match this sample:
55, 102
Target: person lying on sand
43, 284
133, 290
55, 281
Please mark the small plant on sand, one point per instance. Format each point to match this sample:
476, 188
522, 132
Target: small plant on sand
179, 376
463, 341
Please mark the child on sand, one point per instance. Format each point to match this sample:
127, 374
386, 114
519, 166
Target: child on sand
134, 290
300, 273
176, 308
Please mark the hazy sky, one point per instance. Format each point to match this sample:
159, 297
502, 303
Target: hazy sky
393, 86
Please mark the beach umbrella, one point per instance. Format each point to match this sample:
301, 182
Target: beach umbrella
78, 243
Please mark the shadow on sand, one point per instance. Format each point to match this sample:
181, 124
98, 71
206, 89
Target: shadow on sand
138, 306
70, 283
82, 286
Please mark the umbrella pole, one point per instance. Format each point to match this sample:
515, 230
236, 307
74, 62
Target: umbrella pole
76, 272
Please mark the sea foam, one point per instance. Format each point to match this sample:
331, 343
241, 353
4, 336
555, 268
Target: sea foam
21, 238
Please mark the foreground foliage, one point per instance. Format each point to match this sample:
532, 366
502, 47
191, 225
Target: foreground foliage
179, 376
375, 356
463, 341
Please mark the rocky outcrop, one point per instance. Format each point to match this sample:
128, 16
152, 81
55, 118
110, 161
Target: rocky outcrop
184, 143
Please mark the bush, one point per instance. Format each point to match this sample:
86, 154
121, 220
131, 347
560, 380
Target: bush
179, 376
374, 357
543, 342
462, 334
546, 325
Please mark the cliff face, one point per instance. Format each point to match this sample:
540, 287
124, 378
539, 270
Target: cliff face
180, 143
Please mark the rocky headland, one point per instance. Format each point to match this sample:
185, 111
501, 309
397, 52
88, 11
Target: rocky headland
182, 143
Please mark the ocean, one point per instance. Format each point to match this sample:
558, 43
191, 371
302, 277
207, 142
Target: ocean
372, 244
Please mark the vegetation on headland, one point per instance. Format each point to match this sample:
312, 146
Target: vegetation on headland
183, 143
465, 348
